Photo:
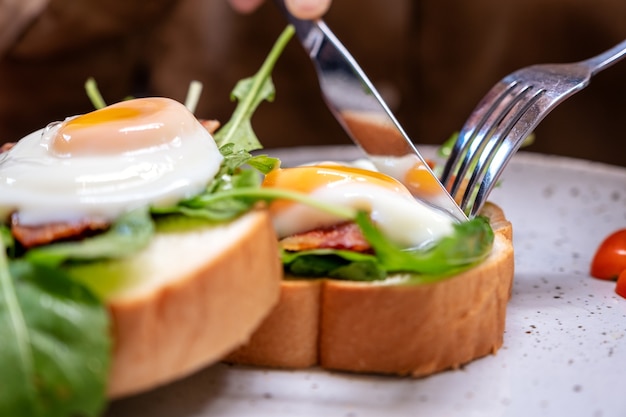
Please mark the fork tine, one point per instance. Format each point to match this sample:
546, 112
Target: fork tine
505, 139
472, 137
468, 133
480, 139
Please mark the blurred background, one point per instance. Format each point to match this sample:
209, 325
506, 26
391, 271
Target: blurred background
431, 60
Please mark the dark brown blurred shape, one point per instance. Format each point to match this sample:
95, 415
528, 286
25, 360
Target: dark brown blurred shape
432, 61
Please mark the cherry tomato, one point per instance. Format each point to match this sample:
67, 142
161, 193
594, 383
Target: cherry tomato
620, 288
610, 258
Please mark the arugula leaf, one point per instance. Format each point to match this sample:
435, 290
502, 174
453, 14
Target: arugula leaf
241, 194
193, 95
6, 238
55, 348
339, 264
264, 163
470, 243
218, 203
130, 233
251, 92
234, 160
91, 88
235, 140
256, 194
220, 211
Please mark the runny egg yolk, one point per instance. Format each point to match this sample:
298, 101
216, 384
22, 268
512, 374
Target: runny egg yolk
128, 126
420, 180
403, 219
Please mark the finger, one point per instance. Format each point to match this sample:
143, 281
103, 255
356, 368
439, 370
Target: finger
245, 6
308, 9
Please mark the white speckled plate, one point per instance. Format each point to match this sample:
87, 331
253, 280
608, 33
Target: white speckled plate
565, 344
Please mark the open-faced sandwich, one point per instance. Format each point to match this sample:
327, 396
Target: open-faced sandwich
138, 246
127, 258
395, 288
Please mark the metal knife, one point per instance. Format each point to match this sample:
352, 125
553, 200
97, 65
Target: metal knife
365, 117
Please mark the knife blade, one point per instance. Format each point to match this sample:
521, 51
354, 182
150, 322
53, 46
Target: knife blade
359, 108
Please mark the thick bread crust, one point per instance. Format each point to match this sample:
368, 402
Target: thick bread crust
206, 302
417, 329
288, 337
397, 329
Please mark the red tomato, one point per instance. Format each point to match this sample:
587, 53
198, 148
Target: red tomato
620, 288
610, 258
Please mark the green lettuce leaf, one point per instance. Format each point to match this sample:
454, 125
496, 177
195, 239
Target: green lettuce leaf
469, 244
339, 264
55, 346
6, 238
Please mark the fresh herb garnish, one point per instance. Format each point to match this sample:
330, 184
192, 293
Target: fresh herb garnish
236, 139
6, 238
250, 92
470, 243
332, 263
193, 95
93, 93
55, 347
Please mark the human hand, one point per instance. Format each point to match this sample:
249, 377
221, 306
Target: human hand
302, 9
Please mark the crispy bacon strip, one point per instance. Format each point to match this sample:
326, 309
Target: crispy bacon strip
30, 236
6, 146
346, 236
210, 125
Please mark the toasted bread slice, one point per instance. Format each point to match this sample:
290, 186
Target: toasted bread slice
389, 327
187, 300
289, 336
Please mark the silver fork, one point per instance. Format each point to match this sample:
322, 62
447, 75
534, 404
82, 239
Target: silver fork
506, 116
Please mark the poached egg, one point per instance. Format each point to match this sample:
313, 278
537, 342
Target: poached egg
136, 153
403, 219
